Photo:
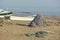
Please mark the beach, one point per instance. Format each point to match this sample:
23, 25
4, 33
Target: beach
18, 28
29, 19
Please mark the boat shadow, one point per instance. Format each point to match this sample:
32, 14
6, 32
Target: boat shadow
21, 24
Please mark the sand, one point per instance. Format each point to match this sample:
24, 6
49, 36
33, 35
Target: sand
18, 29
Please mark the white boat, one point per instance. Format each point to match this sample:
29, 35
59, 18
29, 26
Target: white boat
5, 13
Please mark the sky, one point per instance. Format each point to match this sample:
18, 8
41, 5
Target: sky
30, 3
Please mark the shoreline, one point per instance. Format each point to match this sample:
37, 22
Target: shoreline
26, 18
20, 17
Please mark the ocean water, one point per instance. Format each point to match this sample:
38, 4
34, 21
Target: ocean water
33, 11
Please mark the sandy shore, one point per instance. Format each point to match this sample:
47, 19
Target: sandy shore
21, 18
18, 29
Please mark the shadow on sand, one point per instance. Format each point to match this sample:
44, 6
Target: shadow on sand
21, 24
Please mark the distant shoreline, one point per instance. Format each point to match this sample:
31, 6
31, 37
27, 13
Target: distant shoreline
26, 18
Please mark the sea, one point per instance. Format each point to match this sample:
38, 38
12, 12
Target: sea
51, 12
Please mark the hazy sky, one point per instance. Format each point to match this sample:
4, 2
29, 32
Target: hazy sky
29, 3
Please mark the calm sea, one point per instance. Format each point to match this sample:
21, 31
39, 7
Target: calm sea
34, 11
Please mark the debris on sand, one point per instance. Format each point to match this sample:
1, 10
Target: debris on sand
38, 34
